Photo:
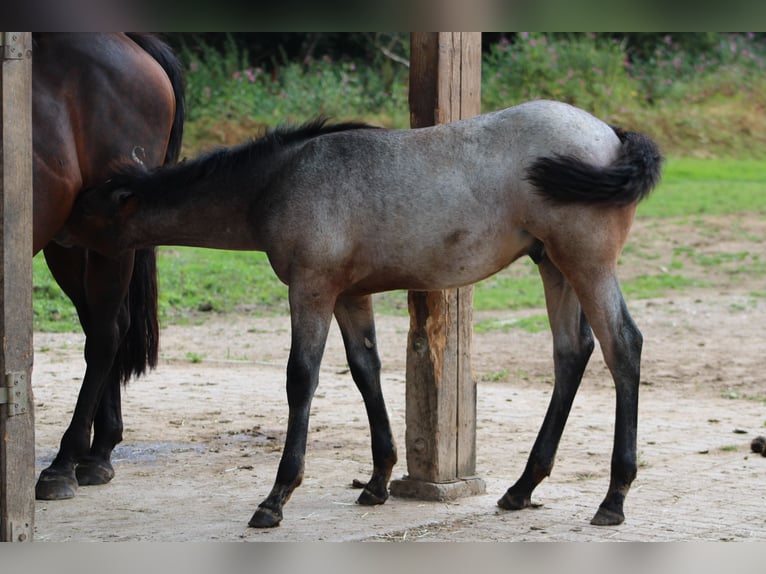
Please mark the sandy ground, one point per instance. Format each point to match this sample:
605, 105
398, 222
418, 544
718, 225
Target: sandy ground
204, 432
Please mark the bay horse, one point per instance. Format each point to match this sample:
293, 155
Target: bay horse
99, 100
345, 211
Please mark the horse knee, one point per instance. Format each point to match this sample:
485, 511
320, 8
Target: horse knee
364, 365
302, 380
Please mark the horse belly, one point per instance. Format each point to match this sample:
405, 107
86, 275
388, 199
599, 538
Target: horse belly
459, 259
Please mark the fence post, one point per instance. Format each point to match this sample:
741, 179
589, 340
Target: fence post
445, 86
17, 434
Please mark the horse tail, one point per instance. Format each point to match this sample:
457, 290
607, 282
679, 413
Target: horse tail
628, 179
140, 346
166, 58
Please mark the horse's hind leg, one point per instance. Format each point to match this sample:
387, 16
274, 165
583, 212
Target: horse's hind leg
572, 347
621, 343
96, 466
100, 305
599, 293
357, 326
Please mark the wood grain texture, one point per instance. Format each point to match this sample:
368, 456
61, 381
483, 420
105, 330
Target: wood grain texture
445, 79
17, 444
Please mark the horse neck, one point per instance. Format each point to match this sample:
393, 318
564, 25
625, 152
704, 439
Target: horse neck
211, 211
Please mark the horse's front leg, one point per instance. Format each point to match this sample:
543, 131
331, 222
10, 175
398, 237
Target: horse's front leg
572, 347
357, 326
310, 316
97, 287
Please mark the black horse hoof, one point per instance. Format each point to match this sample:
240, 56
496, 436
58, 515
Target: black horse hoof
607, 517
511, 501
55, 485
265, 518
90, 472
368, 498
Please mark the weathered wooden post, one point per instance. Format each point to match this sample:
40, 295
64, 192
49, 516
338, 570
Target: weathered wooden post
445, 85
17, 434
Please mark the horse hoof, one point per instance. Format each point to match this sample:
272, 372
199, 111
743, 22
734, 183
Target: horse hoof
265, 518
606, 517
511, 501
55, 485
368, 498
92, 472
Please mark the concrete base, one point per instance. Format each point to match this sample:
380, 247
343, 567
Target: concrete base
407, 487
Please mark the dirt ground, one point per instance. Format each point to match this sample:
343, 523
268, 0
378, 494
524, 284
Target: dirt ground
204, 431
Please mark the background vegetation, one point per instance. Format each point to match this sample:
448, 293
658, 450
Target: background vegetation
702, 96
698, 94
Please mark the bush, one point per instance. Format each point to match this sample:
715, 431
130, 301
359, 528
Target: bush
582, 70
698, 94
224, 86
679, 66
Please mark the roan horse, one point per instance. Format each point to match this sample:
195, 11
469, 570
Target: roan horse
344, 211
100, 100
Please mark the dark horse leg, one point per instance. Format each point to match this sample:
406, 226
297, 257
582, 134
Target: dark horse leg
98, 288
599, 294
622, 353
311, 309
572, 347
96, 466
357, 326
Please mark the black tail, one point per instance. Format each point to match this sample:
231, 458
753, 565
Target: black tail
140, 347
631, 176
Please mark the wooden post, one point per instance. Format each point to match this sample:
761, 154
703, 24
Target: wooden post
17, 434
445, 85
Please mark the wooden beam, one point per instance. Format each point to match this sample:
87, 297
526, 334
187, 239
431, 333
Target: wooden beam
17, 435
445, 86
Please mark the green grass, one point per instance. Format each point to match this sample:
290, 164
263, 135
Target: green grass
209, 280
532, 324
692, 186
517, 287
650, 286
53, 311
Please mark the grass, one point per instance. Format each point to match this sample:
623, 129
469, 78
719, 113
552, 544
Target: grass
53, 311
194, 282
693, 186
532, 324
203, 280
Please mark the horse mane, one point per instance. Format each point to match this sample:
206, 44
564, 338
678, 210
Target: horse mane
222, 161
